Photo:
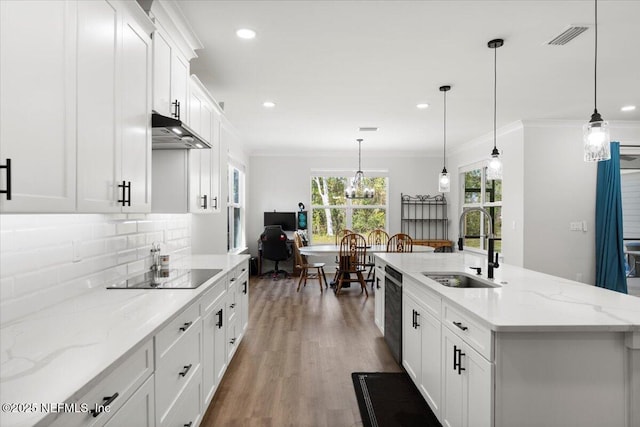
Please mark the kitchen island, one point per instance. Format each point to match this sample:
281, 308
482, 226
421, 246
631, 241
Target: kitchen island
530, 350
132, 356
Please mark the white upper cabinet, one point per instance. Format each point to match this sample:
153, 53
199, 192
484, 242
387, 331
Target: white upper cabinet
37, 106
114, 107
75, 106
174, 46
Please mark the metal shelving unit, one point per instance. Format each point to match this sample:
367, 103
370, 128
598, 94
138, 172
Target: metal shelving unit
424, 218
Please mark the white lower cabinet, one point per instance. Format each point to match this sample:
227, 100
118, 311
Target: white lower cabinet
214, 361
139, 410
421, 350
467, 384
178, 353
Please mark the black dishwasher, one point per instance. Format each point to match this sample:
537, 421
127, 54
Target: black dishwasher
393, 312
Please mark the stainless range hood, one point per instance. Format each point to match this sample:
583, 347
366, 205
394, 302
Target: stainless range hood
171, 134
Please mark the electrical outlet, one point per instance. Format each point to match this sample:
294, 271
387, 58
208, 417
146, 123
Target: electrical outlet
575, 226
584, 225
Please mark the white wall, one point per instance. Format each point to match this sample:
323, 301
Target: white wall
280, 182
509, 142
560, 188
45, 259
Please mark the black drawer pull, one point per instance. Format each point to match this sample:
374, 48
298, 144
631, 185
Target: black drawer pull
176, 109
215, 204
232, 341
186, 369
7, 166
185, 326
233, 305
460, 368
189, 424
244, 287
460, 325
219, 314
204, 202
106, 402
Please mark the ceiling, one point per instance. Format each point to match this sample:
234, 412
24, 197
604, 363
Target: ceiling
334, 66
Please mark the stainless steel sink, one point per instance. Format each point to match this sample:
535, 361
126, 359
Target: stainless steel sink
459, 280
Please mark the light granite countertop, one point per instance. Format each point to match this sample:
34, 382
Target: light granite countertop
56, 355
525, 300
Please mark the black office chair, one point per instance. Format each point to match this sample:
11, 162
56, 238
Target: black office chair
275, 248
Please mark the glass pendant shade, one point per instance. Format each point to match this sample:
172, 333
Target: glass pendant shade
444, 182
356, 189
494, 166
596, 139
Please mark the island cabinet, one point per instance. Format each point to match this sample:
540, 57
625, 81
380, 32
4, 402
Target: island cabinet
421, 338
379, 292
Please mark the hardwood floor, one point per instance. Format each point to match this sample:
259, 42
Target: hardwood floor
294, 365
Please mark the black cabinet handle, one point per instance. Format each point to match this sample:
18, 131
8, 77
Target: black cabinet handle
7, 166
186, 369
460, 368
219, 314
204, 202
232, 341
413, 319
185, 326
417, 324
215, 202
244, 287
189, 424
106, 402
377, 283
176, 109
460, 325
455, 358
233, 279
126, 189
232, 305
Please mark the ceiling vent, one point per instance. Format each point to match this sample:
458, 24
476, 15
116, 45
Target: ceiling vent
567, 35
368, 129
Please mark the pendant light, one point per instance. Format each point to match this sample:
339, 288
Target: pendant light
494, 167
444, 182
596, 133
357, 190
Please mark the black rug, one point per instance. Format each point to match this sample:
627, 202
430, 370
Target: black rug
390, 399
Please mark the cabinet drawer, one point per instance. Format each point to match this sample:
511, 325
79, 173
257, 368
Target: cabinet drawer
232, 299
242, 268
209, 299
137, 411
176, 369
474, 333
113, 390
171, 333
426, 297
188, 410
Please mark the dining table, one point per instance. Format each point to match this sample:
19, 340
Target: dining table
329, 249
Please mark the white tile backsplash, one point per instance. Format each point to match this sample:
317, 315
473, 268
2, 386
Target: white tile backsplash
37, 265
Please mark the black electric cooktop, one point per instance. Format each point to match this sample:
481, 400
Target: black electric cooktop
167, 279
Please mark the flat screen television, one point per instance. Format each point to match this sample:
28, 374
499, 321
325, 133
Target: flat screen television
287, 220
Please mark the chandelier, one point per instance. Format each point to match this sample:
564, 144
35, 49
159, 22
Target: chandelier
357, 189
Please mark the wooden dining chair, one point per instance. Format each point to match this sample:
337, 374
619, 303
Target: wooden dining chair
353, 257
375, 237
400, 243
305, 266
338, 238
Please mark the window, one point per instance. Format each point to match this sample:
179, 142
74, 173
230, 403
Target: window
235, 218
478, 191
332, 212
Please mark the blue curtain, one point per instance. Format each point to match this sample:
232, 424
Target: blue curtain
610, 271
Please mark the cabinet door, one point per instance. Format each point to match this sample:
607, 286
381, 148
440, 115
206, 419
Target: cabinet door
179, 84
208, 350
38, 85
98, 112
479, 389
220, 341
452, 387
379, 302
136, 111
139, 410
411, 338
162, 74
431, 369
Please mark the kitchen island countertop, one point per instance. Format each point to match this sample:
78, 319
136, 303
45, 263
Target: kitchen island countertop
525, 300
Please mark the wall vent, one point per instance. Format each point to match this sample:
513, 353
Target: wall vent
368, 129
567, 35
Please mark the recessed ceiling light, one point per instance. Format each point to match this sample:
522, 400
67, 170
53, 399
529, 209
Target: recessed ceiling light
628, 108
246, 33
268, 104
422, 106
